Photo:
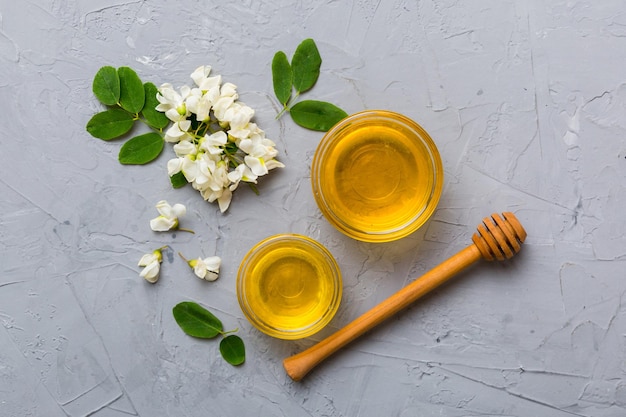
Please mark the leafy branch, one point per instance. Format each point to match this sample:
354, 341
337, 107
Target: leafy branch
290, 80
196, 321
128, 100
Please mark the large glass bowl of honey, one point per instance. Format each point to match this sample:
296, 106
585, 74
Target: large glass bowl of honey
289, 286
377, 176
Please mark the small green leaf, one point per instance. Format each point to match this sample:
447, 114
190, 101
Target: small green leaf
282, 77
316, 115
233, 350
132, 95
305, 65
154, 118
197, 321
106, 86
110, 124
178, 180
141, 149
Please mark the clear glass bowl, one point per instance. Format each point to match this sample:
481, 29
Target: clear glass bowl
377, 176
289, 286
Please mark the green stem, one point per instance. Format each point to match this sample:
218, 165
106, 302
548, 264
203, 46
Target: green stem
229, 332
137, 117
280, 114
253, 187
288, 105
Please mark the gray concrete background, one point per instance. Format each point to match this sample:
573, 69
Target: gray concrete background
526, 101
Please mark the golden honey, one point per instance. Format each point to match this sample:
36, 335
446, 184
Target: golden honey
377, 176
289, 286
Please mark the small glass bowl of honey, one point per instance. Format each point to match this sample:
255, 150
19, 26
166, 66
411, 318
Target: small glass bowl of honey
377, 176
289, 286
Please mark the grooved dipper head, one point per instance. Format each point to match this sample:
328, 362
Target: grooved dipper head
499, 237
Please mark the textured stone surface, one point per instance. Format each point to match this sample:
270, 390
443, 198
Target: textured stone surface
526, 101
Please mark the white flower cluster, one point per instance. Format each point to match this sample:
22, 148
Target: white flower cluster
216, 144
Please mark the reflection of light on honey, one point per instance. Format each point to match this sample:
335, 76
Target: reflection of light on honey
379, 177
289, 286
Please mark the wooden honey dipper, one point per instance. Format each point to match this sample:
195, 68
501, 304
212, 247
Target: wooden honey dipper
498, 237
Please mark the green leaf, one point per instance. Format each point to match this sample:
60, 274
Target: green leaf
132, 95
282, 77
154, 118
141, 149
106, 86
110, 124
178, 180
305, 65
316, 115
197, 321
233, 350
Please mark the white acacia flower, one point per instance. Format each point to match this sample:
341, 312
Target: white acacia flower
229, 90
168, 216
152, 265
211, 195
207, 268
201, 77
213, 143
172, 102
273, 163
220, 175
213, 182
241, 173
212, 94
178, 131
174, 166
200, 73
204, 169
260, 151
256, 164
185, 147
238, 117
221, 105
200, 105
190, 169
223, 201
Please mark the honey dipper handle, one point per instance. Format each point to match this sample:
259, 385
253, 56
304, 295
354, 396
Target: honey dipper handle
299, 365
